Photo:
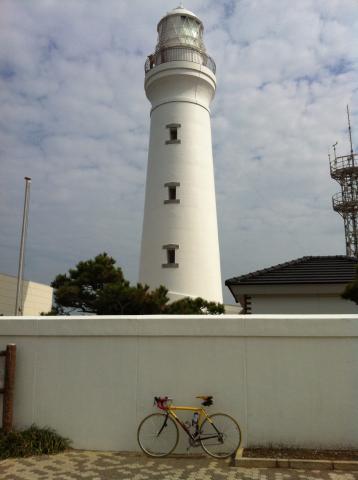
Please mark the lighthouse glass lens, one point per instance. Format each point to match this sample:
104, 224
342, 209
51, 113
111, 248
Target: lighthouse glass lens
180, 30
190, 27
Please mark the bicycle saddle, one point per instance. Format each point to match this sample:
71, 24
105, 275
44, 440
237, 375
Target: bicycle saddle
208, 400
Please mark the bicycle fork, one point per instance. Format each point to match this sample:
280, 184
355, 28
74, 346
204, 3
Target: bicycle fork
164, 425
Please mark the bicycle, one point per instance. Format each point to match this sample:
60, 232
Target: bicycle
219, 434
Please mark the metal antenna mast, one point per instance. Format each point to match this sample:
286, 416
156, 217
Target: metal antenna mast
19, 290
350, 132
345, 172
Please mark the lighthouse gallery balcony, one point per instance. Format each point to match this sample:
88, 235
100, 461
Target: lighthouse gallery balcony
175, 54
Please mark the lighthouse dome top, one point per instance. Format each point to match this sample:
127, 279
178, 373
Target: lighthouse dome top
181, 11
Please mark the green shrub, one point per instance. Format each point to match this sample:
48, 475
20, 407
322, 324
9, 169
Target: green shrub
32, 441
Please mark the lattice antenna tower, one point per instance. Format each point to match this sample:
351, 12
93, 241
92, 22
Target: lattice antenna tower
344, 170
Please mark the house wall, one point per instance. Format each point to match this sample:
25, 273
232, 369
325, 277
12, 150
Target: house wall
37, 297
306, 304
289, 380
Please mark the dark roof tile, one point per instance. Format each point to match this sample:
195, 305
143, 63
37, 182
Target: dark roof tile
314, 269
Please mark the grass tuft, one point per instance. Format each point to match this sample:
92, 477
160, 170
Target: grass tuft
32, 441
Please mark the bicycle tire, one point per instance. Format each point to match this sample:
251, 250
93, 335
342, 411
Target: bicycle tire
149, 441
230, 431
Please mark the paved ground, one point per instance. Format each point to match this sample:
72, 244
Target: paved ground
78, 465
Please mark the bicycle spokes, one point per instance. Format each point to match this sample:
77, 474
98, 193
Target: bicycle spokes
157, 435
220, 435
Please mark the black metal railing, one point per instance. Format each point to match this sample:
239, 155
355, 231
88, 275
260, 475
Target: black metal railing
174, 54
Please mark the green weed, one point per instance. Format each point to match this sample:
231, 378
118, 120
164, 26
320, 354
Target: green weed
32, 441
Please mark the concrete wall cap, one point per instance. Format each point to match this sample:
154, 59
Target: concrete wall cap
184, 325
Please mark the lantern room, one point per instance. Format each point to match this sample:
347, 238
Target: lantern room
180, 38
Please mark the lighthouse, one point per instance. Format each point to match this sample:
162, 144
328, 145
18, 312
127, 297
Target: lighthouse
180, 246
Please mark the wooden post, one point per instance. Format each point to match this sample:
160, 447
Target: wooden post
9, 387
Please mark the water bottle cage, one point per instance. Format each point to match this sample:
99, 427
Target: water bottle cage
195, 420
195, 425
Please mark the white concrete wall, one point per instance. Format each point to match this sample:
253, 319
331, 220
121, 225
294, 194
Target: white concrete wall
306, 304
290, 380
37, 297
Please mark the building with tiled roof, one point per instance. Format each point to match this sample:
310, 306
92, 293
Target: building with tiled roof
306, 285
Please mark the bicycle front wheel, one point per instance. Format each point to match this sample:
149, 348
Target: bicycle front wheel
157, 435
220, 435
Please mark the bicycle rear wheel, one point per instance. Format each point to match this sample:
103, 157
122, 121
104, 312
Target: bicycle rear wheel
223, 435
157, 435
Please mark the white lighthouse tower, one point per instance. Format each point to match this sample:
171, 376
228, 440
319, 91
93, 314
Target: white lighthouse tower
180, 247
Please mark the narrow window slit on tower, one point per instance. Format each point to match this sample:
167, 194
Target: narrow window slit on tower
171, 254
172, 192
173, 133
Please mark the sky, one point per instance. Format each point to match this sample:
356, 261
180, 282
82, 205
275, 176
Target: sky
74, 118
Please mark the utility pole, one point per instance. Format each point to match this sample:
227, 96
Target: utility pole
19, 290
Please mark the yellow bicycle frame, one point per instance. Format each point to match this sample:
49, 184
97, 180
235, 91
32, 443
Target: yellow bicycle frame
171, 409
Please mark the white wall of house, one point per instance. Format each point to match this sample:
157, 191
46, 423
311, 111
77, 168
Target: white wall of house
307, 304
37, 297
290, 380
295, 299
